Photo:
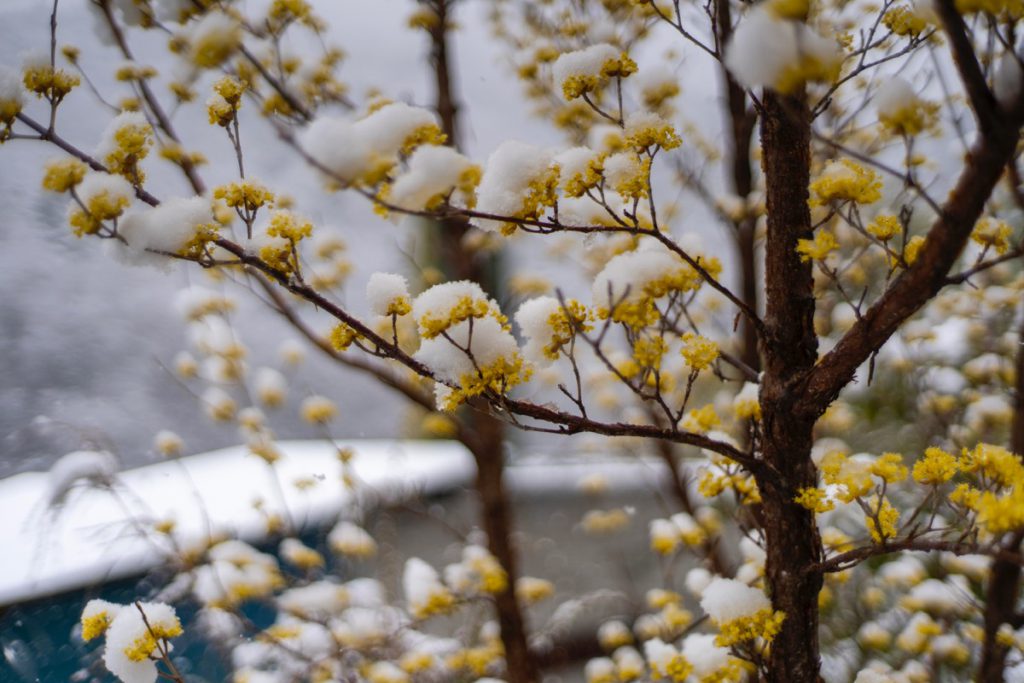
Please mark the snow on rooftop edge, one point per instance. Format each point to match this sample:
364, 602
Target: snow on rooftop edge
91, 539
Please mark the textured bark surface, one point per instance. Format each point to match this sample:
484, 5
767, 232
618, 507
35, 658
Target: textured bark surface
1004, 580
741, 122
485, 434
789, 351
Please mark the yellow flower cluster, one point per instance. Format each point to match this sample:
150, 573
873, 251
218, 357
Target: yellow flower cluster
699, 352
904, 22
701, 420
95, 625
935, 468
882, 524
656, 135
591, 177
846, 181
807, 70
814, 499
992, 234
578, 85
467, 307
817, 249
677, 669
912, 119
223, 107
103, 206
571, 317
541, 194
49, 83
884, 227
283, 12
764, 624
714, 481
246, 197
132, 141
498, 377
64, 174
1008, 9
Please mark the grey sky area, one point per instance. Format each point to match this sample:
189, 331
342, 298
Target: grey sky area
85, 339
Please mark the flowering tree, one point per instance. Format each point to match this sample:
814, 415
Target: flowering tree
870, 306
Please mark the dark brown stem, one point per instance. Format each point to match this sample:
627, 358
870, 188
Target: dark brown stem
790, 349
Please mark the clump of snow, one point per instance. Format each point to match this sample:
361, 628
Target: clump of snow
317, 601
895, 95
433, 171
126, 120
235, 570
127, 630
604, 137
706, 657
727, 599
271, 386
12, 95
534, 317
438, 301
421, 583
166, 228
697, 580
351, 149
489, 343
213, 38
94, 467
384, 289
348, 538
626, 276
96, 184
939, 597
581, 211
765, 50
510, 170
621, 167
587, 62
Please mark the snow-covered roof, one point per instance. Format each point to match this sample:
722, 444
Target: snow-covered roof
91, 537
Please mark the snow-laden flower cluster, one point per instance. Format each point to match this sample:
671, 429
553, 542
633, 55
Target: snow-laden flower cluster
235, 572
741, 612
588, 70
519, 181
779, 53
549, 326
901, 110
466, 343
176, 226
433, 175
124, 144
101, 197
136, 636
363, 152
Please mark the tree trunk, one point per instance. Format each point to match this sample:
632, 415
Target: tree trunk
790, 351
486, 437
1004, 579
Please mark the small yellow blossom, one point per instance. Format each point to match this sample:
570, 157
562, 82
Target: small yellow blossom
699, 352
817, 249
846, 180
63, 174
884, 228
936, 467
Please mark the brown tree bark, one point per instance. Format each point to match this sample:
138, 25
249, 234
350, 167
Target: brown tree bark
1004, 580
790, 350
741, 122
483, 435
